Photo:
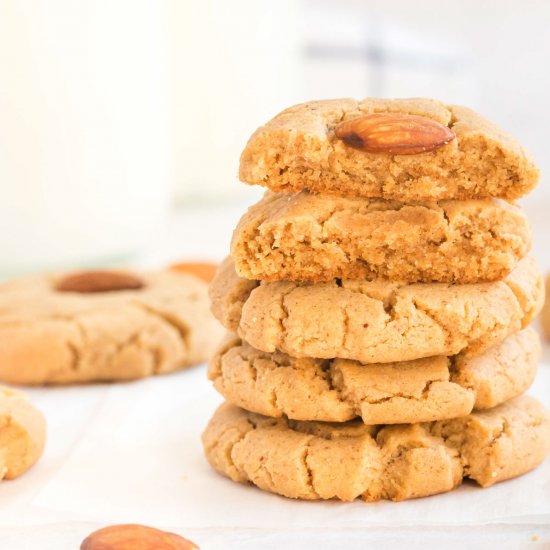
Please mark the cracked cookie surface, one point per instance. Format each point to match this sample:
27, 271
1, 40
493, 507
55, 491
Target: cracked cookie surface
313, 460
298, 150
53, 337
337, 390
306, 237
22, 433
377, 321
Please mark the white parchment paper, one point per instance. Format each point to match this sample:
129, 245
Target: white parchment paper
132, 453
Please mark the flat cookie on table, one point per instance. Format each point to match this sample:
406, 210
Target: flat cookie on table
22, 433
308, 237
103, 326
338, 390
402, 149
314, 460
377, 321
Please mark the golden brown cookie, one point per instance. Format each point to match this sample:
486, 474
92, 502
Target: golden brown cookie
376, 322
313, 460
545, 313
22, 433
305, 237
108, 325
337, 390
305, 148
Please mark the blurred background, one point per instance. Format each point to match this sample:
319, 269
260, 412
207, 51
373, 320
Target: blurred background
122, 121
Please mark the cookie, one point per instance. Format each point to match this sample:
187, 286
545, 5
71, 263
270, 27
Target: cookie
305, 148
337, 390
376, 322
22, 433
102, 326
313, 460
545, 313
305, 237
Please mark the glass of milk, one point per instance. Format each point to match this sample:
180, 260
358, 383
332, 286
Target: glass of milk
83, 131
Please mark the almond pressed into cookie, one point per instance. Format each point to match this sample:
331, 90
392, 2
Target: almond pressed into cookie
302, 148
94, 326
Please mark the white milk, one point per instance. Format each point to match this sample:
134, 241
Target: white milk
83, 130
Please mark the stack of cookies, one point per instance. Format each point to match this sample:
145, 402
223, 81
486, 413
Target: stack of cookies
378, 300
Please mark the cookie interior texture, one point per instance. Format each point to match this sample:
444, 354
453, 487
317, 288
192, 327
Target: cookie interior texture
308, 237
377, 321
51, 337
22, 433
312, 460
298, 150
337, 390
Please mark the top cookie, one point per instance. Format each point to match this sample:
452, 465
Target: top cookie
451, 152
106, 325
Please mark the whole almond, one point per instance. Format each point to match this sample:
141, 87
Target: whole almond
202, 270
99, 281
393, 133
134, 537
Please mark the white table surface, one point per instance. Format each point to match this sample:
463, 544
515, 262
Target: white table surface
131, 453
